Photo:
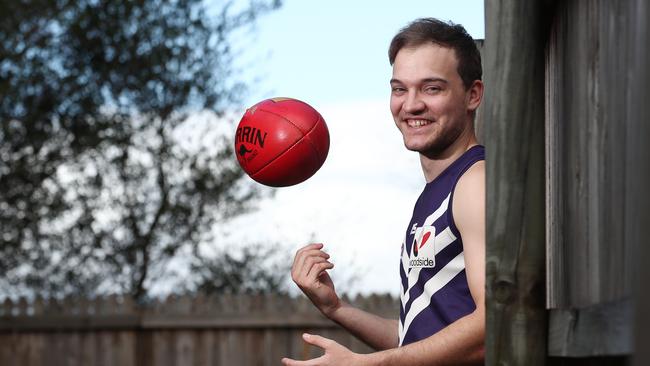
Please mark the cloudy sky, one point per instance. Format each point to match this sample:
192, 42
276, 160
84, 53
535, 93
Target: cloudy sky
333, 55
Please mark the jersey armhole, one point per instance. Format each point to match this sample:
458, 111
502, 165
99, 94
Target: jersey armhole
450, 205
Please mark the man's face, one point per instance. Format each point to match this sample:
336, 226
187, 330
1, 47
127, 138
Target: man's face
428, 100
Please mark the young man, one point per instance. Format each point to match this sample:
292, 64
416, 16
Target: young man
436, 89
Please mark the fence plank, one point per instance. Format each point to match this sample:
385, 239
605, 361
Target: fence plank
163, 350
590, 259
637, 198
89, 349
105, 348
184, 347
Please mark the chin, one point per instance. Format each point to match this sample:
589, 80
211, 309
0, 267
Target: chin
416, 143
416, 147
427, 149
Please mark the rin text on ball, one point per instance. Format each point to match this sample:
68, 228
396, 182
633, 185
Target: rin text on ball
251, 135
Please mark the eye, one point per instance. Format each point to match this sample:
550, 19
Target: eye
398, 90
432, 89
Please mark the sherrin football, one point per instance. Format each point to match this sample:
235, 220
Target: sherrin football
280, 142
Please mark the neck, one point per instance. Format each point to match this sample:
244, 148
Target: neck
433, 165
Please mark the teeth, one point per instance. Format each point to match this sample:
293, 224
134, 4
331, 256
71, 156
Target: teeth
418, 122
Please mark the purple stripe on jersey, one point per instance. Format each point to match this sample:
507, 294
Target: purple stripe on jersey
447, 305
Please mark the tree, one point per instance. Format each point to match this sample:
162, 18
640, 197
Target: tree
98, 192
256, 269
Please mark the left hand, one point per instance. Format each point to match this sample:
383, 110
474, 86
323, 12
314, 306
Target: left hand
335, 354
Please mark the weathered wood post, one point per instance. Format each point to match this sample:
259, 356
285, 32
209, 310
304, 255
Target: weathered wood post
639, 204
514, 139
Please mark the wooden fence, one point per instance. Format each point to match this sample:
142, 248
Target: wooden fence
217, 330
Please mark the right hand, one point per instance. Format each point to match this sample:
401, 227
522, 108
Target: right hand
309, 273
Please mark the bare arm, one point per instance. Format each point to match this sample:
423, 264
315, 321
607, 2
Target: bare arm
309, 273
378, 332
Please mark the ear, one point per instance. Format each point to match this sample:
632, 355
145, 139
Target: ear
474, 95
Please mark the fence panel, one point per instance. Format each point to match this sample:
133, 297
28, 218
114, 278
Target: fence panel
218, 330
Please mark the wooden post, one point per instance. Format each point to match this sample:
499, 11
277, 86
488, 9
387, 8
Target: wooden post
514, 134
639, 199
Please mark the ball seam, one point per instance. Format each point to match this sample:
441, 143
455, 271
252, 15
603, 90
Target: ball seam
305, 136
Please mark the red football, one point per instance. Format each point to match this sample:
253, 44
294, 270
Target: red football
281, 142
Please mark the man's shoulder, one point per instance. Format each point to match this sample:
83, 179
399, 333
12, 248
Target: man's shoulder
473, 178
469, 195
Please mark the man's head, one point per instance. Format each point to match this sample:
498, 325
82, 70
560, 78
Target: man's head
454, 36
436, 86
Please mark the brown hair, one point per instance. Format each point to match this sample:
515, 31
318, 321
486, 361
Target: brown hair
424, 30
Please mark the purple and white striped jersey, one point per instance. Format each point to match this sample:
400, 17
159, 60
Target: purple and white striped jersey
434, 290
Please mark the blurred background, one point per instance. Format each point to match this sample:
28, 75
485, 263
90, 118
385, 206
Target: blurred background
119, 190
117, 171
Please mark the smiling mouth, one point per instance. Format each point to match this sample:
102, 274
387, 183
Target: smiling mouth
416, 123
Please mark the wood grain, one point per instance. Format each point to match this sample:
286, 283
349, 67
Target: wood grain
514, 139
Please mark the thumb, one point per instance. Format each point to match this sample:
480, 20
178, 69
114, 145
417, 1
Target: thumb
318, 341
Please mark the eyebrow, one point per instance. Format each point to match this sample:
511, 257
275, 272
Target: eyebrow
427, 80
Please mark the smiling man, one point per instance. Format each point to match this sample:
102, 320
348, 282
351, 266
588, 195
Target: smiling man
435, 90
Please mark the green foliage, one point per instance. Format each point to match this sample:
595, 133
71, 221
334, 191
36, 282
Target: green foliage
254, 269
97, 191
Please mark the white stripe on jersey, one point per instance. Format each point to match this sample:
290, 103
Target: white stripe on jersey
427, 222
454, 267
443, 239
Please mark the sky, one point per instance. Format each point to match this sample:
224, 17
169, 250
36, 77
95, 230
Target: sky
333, 55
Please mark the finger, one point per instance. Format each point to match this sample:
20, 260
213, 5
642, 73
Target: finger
306, 260
313, 253
315, 340
318, 341
300, 254
303, 264
317, 269
291, 362
310, 262
309, 247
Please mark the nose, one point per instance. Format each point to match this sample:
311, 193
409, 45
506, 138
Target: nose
413, 103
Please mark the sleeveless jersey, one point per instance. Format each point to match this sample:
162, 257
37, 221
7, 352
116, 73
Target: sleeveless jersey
434, 290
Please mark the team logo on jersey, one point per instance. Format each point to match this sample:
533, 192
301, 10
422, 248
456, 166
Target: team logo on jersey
423, 252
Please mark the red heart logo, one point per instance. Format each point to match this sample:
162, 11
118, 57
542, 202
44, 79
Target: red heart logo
425, 238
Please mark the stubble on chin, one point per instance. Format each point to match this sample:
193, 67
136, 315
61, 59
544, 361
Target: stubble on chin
438, 145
